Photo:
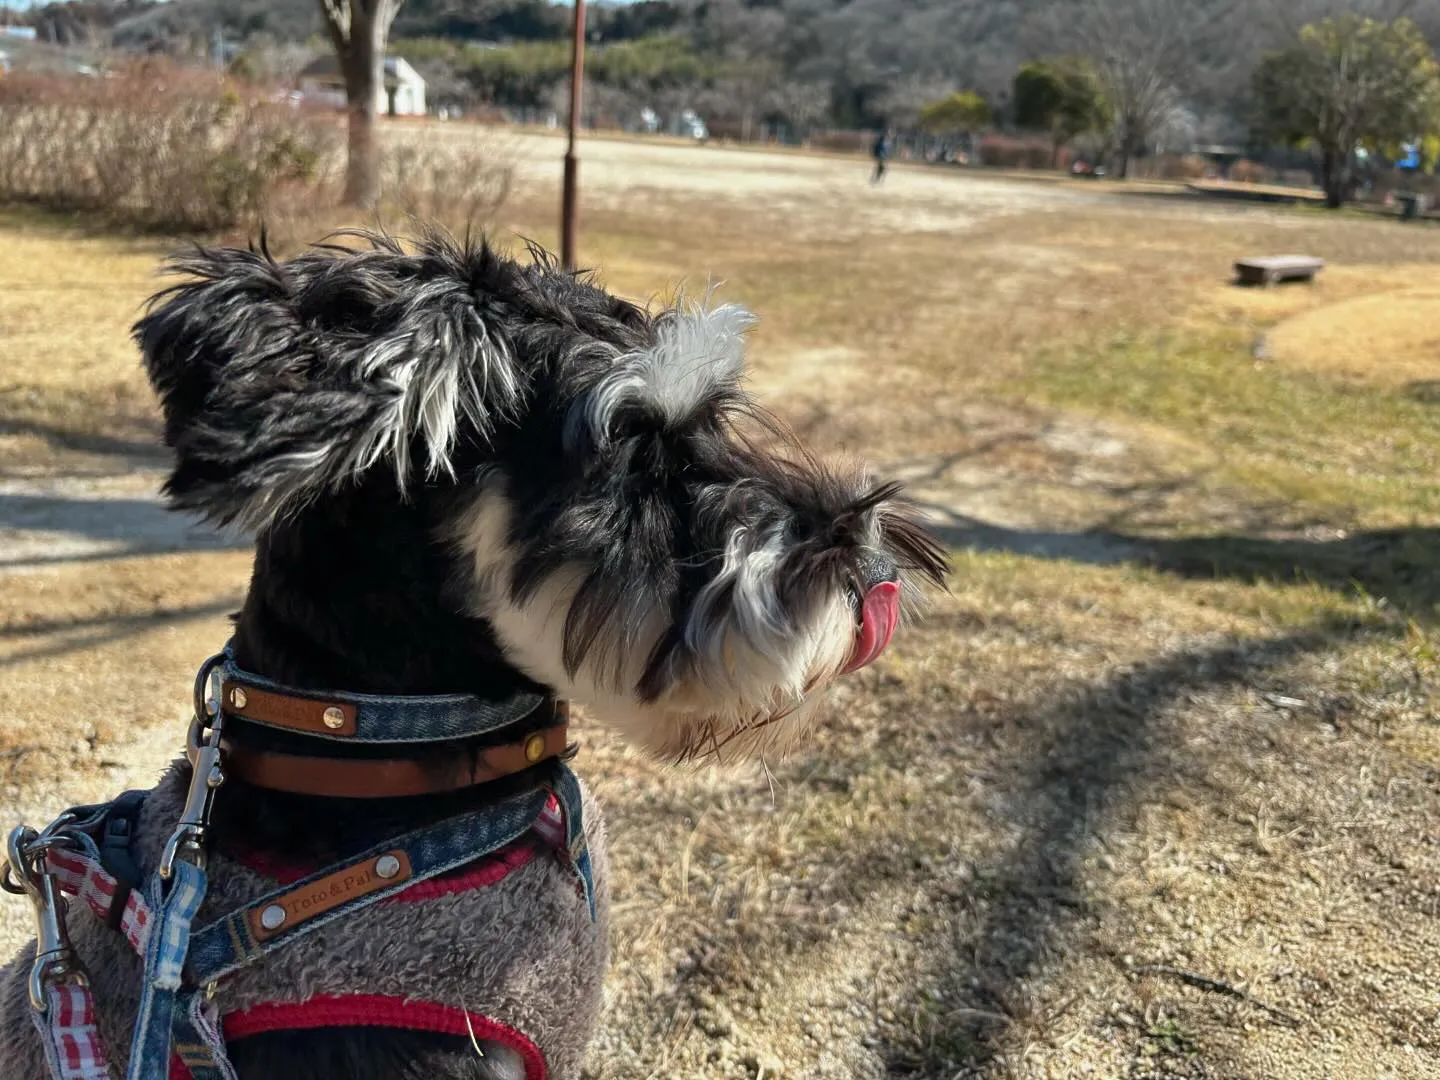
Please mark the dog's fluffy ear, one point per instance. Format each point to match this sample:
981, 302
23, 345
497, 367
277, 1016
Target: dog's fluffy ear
281, 381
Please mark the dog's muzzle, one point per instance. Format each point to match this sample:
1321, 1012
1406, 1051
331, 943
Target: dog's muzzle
878, 615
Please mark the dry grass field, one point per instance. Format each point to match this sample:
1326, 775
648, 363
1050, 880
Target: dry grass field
1153, 792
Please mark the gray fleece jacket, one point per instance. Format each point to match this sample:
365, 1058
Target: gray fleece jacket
522, 951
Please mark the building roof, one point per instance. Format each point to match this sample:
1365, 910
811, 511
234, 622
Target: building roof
327, 67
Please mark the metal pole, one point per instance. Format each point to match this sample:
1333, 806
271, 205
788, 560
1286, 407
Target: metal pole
568, 198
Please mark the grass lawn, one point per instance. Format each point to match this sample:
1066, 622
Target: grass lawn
1174, 722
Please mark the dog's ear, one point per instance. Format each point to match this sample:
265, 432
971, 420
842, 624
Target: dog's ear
282, 381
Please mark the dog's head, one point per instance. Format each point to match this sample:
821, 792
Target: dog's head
624, 522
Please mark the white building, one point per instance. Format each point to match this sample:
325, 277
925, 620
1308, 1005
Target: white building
402, 93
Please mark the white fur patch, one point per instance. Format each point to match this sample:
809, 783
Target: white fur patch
698, 352
757, 674
451, 369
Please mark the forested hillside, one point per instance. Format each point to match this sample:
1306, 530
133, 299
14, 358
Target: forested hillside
840, 62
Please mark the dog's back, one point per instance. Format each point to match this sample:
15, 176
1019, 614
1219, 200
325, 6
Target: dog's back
507, 945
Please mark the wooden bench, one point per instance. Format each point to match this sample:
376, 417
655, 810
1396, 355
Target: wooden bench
1276, 268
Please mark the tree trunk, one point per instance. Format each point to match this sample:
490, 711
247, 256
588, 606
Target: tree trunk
1335, 177
364, 66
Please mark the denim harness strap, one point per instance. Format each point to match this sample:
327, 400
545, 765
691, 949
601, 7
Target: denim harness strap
243, 936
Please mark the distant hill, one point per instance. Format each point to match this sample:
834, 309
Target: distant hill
295, 20
856, 62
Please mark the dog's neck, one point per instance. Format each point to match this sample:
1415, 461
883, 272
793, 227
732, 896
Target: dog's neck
356, 594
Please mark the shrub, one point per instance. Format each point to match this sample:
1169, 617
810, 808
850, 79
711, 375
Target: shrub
1014, 151
1171, 167
959, 113
458, 178
1245, 171
843, 141
158, 147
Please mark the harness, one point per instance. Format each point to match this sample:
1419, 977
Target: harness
87, 853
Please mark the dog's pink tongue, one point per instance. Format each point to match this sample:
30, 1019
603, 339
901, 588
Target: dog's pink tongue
879, 615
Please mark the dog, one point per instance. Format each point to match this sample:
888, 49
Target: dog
481, 480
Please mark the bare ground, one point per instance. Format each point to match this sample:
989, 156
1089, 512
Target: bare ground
1152, 793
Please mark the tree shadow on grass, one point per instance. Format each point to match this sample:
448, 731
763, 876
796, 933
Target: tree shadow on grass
1425, 391
143, 447
50, 528
1095, 754
1400, 567
1057, 772
92, 633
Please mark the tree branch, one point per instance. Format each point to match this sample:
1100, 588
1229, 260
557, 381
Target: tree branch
337, 23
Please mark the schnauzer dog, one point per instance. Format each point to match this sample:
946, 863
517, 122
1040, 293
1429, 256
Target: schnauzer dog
483, 485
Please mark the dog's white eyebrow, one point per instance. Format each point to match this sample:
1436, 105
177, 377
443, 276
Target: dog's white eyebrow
697, 351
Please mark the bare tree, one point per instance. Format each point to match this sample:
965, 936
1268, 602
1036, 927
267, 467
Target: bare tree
1144, 50
802, 104
903, 101
359, 30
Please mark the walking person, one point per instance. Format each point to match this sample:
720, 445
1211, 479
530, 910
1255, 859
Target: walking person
881, 154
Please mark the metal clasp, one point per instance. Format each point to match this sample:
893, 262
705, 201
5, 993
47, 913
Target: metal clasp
55, 959
202, 747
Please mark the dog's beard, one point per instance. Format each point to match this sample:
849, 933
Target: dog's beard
740, 676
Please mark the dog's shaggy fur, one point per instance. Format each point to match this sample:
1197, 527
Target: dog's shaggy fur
469, 474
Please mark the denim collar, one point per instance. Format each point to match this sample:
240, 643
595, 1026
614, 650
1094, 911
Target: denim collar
341, 716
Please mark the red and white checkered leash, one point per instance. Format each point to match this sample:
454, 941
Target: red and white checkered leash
73, 1047
44, 867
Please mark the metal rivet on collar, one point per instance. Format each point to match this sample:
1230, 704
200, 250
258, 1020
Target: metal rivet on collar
334, 717
387, 866
237, 697
534, 748
273, 917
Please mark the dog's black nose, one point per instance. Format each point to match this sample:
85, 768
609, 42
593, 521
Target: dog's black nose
876, 570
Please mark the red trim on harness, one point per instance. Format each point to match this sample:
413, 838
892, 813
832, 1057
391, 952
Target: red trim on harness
478, 875
372, 1010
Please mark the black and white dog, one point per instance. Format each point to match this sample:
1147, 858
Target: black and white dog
474, 475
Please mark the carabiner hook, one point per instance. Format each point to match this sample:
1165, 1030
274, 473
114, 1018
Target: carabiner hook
203, 749
55, 959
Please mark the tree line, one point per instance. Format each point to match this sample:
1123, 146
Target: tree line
1335, 78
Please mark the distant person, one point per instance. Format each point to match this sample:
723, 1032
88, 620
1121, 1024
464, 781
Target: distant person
881, 154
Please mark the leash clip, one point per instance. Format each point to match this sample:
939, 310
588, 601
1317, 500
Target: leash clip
202, 747
55, 959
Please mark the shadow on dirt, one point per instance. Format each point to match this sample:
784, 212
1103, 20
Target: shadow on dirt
1058, 770
141, 448
1398, 567
91, 633
41, 528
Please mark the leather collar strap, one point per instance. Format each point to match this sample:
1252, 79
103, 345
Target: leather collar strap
347, 778
409, 723
343, 717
